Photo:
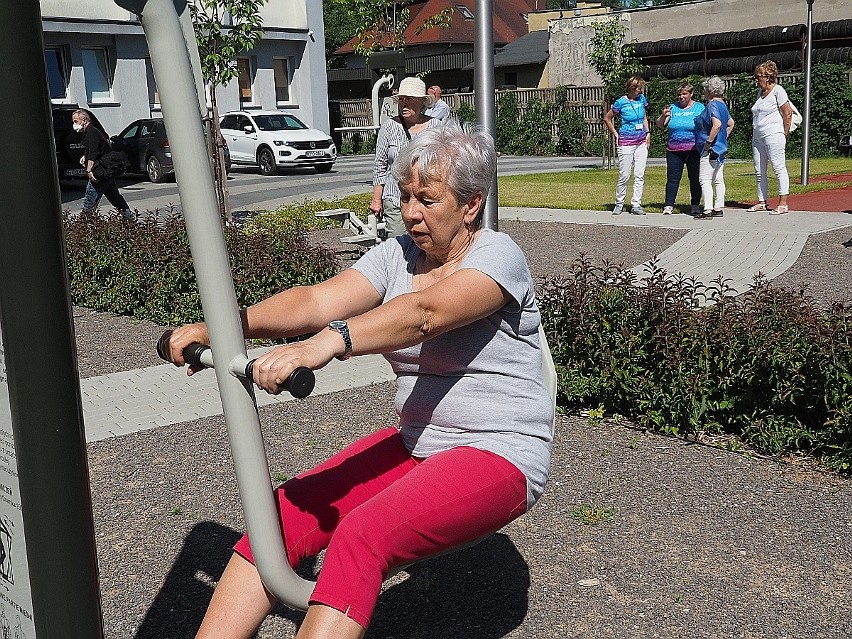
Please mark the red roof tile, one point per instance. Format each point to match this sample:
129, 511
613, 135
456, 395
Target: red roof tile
509, 23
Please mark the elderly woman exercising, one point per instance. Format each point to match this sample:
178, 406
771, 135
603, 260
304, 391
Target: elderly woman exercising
451, 305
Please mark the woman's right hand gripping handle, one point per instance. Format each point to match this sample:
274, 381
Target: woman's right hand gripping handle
189, 345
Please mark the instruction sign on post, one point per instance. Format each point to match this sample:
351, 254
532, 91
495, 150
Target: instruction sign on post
16, 605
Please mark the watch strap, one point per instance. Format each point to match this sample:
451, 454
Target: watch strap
340, 326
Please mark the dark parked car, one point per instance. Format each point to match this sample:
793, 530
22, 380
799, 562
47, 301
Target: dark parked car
69, 143
146, 145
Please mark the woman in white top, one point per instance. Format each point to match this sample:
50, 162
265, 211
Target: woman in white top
771, 116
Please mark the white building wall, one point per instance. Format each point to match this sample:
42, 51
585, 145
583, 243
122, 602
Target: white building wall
293, 29
286, 14
84, 9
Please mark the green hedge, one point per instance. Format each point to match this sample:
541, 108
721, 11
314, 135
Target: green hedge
145, 270
769, 366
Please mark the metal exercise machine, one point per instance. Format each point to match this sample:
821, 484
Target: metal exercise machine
171, 44
48, 565
373, 231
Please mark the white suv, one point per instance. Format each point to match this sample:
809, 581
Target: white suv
272, 139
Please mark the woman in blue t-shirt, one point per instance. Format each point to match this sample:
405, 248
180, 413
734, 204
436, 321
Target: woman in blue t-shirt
712, 129
679, 117
632, 139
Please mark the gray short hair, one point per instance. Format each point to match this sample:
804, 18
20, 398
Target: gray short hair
715, 86
463, 156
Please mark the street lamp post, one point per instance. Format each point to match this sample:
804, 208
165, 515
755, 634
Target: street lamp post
806, 128
484, 85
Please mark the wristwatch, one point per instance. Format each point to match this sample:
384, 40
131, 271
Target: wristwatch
343, 328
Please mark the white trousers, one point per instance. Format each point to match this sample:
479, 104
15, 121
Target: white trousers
770, 150
711, 173
635, 157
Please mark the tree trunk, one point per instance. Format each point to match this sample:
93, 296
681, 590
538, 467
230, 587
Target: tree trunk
609, 148
215, 146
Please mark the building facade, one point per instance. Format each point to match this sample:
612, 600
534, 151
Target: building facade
570, 33
97, 57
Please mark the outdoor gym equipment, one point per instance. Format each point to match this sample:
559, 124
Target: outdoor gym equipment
48, 572
369, 234
300, 384
172, 47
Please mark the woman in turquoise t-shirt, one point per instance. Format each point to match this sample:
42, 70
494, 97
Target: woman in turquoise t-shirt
679, 117
632, 139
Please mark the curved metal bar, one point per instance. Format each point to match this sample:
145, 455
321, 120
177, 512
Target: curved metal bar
177, 82
384, 80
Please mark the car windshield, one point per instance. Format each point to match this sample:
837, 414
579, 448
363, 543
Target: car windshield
278, 122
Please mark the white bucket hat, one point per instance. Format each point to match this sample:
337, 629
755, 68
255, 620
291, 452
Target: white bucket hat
413, 87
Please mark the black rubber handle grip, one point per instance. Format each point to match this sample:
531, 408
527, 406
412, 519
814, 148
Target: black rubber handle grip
300, 383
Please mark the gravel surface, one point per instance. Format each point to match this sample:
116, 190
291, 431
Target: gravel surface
824, 269
694, 541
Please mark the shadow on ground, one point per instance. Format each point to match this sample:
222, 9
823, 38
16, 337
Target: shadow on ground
478, 593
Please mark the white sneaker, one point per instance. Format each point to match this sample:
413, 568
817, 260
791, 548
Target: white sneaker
617, 209
637, 210
668, 210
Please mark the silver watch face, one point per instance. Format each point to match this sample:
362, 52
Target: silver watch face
337, 324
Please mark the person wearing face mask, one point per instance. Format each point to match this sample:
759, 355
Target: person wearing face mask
95, 146
395, 134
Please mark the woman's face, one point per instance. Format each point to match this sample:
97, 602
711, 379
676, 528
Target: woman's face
684, 97
635, 91
434, 219
762, 79
410, 107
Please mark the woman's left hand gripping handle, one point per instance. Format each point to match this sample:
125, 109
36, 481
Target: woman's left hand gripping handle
188, 346
173, 345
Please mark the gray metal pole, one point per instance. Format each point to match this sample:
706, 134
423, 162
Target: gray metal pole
176, 83
806, 124
486, 112
51, 491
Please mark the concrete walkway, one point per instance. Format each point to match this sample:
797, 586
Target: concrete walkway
736, 246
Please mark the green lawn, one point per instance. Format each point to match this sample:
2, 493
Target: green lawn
594, 189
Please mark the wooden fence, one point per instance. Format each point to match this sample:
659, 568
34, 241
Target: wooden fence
589, 101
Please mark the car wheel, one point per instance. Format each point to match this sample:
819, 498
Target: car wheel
154, 170
266, 162
323, 168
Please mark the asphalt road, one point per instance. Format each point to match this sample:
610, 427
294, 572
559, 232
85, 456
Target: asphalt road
251, 191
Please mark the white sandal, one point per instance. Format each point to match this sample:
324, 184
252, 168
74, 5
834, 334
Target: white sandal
779, 210
760, 206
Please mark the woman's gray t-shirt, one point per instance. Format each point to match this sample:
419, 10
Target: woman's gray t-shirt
480, 385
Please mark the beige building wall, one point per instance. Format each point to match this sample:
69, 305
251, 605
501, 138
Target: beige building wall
715, 16
569, 35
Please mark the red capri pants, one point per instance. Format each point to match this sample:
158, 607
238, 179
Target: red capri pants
374, 506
